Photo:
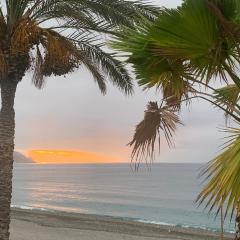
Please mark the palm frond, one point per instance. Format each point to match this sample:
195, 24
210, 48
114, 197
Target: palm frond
113, 69
197, 42
152, 70
16, 10
64, 54
157, 120
61, 55
57, 51
228, 97
25, 34
38, 75
223, 177
95, 71
187, 35
117, 13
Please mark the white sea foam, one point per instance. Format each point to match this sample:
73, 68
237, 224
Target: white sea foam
183, 226
30, 208
156, 223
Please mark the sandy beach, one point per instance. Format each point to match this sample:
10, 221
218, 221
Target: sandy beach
39, 225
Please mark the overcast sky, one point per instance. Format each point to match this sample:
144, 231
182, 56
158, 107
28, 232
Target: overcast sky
70, 113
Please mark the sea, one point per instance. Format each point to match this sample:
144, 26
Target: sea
160, 194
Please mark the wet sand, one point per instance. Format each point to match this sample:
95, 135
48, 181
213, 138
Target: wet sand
41, 225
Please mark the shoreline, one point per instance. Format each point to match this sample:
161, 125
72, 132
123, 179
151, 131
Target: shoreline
89, 225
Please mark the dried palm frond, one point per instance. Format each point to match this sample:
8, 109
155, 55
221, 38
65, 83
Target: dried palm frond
61, 55
38, 76
157, 120
25, 34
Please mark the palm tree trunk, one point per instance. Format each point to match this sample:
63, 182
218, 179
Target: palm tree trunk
222, 224
7, 131
237, 237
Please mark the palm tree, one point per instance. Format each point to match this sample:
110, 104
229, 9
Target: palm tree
55, 37
182, 53
237, 236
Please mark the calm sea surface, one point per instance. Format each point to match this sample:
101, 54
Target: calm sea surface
164, 195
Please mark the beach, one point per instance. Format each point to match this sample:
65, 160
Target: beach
43, 225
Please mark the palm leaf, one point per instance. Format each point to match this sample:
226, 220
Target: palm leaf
64, 54
73, 36
15, 10
127, 11
38, 76
223, 177
111, 67
157, 120
228, 97
187, 35
196, 43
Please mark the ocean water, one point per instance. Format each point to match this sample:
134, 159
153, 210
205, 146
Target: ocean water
164, 195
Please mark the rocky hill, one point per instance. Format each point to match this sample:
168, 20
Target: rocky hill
20, 158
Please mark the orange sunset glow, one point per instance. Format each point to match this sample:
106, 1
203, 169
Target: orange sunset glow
62, 156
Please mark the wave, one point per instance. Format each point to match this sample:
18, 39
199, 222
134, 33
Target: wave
156, 223
30, 208
205, 228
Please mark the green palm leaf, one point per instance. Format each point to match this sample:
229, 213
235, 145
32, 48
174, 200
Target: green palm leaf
184, 49
223, 177
228, 97
64, 34
189, 35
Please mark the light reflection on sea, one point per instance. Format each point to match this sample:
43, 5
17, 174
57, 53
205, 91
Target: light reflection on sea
166, 194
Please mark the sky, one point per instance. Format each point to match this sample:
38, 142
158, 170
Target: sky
70, 114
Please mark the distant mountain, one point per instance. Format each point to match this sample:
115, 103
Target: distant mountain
20, 158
